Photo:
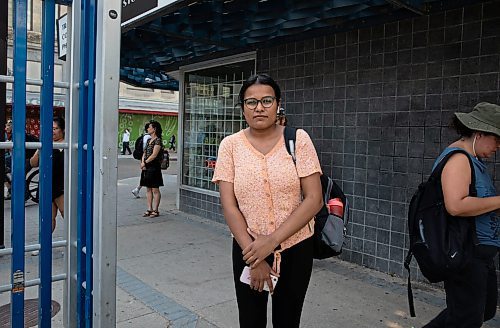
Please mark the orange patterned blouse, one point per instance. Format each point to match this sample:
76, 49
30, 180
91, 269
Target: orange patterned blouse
267, 187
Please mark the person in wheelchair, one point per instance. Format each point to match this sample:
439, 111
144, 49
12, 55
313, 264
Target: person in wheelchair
8, 160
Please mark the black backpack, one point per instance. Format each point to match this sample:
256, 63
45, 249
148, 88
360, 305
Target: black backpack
165, 159
138, 148
442, 244
330, 231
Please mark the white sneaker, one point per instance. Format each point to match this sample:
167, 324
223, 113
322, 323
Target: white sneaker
135, 192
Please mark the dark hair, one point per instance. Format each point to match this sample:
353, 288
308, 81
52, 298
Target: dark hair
60, 122
460, 128
146, 126
157, 126
260, 79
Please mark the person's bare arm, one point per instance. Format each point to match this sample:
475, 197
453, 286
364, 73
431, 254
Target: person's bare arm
143, 165
455, 180
234, 219
312, 201
156, 151
35, 159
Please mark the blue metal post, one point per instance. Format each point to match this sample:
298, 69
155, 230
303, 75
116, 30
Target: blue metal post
18, 165
86, 162
90, 160
82, 167
45, 209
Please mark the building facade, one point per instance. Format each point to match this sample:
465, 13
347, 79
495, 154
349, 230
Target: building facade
376, 102
137, 105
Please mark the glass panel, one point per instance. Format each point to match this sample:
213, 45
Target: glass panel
211, 112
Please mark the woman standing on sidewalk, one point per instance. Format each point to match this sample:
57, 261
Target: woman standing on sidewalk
471, 295
145, 138
151, 176
269, 205
58, 127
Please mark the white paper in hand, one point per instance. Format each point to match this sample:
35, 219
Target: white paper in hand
245, 278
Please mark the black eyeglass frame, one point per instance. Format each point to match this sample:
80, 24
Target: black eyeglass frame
259, 101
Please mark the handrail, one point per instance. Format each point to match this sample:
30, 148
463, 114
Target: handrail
57, 84
34, 145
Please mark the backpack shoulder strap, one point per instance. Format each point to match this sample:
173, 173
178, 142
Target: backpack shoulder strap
436, 173
290, 135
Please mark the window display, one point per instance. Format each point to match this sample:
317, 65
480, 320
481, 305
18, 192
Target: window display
211, 112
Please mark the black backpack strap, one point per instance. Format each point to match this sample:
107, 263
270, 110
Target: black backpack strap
411, 304
290, 135
436, 174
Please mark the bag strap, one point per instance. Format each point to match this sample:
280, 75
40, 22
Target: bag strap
409, 289
329, 187
290, 135
438, 170
436, 174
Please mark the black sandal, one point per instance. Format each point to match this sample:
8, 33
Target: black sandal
154, 214
147, 213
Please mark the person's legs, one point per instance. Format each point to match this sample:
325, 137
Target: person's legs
491, 292
156, 198
149, 200
468, 300
123, 148
7, 177
438, 321
54, 214
136, 190
8, 186
252, 305
288, 297
57, 204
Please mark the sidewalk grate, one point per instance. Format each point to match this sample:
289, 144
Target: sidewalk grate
30, 313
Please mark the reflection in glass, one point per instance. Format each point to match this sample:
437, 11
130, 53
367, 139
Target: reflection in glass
211, 112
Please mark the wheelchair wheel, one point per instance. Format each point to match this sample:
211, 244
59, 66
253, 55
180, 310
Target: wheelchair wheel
32, 184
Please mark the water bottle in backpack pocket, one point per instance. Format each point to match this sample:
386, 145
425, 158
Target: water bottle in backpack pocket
330, 229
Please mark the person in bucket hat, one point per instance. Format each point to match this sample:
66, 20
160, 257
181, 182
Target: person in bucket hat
471, 295
484, 118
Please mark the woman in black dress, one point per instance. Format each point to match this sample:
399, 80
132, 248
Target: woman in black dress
58, 127
151, 176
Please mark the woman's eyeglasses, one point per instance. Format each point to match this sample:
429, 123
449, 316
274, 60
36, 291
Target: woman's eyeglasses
266, 102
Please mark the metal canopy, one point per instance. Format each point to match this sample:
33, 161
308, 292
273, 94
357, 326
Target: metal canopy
198, 30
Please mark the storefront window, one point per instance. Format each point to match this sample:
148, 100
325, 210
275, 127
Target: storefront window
211, 112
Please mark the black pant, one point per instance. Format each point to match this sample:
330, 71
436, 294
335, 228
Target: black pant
126, 147
289, 294
471, 296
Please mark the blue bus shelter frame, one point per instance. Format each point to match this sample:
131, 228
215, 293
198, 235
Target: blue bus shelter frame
93, 93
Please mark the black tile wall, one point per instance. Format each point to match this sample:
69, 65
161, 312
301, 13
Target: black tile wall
377, 103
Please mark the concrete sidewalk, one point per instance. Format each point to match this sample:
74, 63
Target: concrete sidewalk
183, 264
175, 271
